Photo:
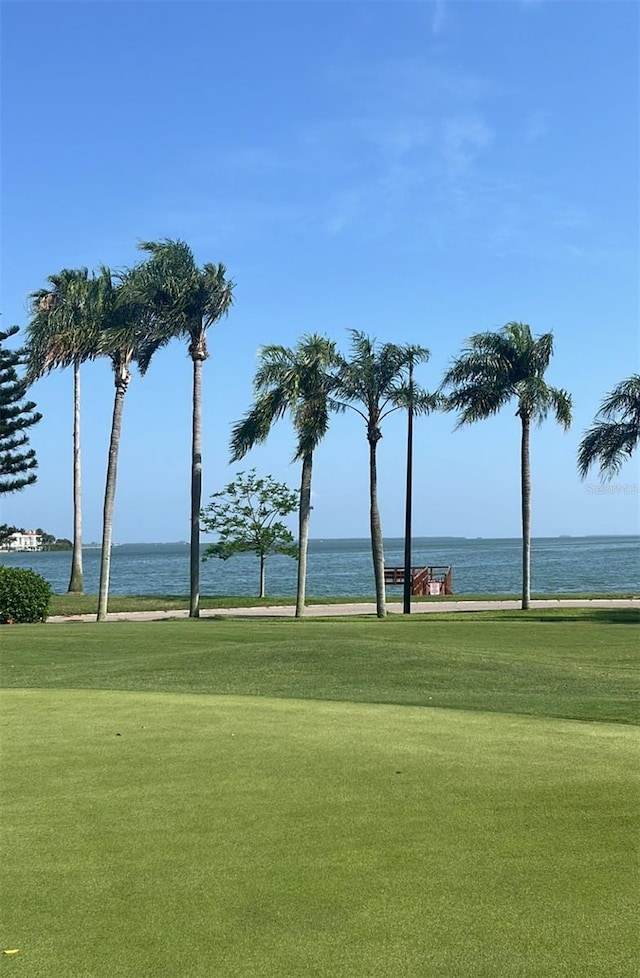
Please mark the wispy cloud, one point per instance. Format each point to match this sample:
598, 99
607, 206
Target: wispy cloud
411, 83
439, 16
412, 154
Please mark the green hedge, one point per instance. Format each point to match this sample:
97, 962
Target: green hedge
24, 596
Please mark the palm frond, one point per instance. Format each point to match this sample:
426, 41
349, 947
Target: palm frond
561, 405
190, 299
64, 322
297, 381
609, 444
375, 374
616, 432
476, 401
254, 428
623, 400
495, 367
421, 401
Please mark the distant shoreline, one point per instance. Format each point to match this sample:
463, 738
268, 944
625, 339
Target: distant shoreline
390, 539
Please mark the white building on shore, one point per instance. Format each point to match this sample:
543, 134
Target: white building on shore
24, 540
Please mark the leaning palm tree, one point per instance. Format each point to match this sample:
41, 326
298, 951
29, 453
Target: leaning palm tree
495, 368
130, 333
62, 332
186, 300
615, 432
297, 381
376, 378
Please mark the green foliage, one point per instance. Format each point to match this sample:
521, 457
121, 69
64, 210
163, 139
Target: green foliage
17, 461
374, 382
6, 532
497, 367
616, 430
297, 382
245, 517
65, 322
183, 298
24, 596
62, 544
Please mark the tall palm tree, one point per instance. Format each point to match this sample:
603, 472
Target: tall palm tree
615, 432
297, 381
495, 368
129, 333
376, 378
187, 300
63, 332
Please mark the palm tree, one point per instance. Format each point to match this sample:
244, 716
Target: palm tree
615, 432
299, 382
186, 300
376, 378
129, 333
62, 332
495, 368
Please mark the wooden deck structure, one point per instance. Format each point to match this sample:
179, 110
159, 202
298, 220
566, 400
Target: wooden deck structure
433, 580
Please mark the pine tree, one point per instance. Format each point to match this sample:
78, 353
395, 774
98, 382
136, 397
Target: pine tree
17, 460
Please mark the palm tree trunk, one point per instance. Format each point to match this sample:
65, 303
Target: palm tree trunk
304, 518
406, 592
525, 472
263, 562
122, 378
76, 581
377, 548
196, 489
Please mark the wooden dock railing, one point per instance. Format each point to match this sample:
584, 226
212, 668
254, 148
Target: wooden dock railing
435, 579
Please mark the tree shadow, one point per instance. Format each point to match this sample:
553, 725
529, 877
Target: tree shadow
551, 616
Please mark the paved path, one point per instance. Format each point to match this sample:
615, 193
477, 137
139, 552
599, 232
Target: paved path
336, 610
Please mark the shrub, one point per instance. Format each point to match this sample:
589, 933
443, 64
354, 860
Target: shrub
24, 596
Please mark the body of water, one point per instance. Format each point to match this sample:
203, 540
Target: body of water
343, 567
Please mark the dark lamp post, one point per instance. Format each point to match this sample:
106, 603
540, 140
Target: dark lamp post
406, 605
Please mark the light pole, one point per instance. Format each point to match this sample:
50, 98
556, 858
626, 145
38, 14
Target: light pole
406, 606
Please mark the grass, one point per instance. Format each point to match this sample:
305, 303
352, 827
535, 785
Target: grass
278, 798
579, 665
79, 604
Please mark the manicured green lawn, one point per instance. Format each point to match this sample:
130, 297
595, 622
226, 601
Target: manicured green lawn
579, 664
281, 798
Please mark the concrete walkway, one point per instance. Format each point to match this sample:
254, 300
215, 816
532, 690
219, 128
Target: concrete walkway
369, 609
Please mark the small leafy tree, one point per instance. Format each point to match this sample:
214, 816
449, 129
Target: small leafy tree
245, 515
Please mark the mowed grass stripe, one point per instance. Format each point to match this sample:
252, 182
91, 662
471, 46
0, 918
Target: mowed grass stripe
582, 668
156, 835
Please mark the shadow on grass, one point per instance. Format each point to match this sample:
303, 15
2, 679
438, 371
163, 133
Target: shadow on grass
551, 616
547, 616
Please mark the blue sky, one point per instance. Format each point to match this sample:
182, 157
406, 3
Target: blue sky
419, 171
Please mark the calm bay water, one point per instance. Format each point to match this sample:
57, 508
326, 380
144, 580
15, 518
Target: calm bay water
343, 567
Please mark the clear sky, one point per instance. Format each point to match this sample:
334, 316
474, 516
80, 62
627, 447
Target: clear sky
420, 171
